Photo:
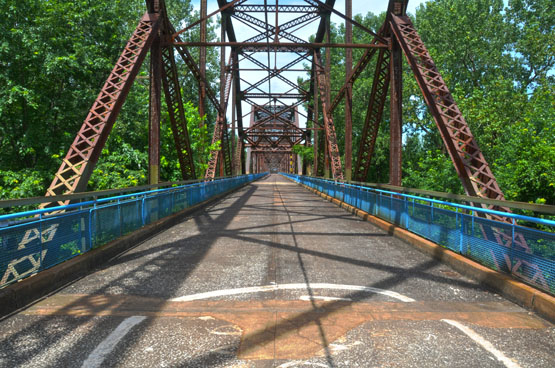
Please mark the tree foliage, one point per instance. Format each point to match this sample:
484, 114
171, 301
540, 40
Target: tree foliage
54, 57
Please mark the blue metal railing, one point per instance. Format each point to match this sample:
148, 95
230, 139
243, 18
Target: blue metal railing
526, 253
35, 240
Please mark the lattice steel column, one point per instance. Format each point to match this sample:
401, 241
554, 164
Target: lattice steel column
78, 164
349, 92
396, 114
176, 110
220, 131
202, 59
154, 111
378, 95
471, 166
331, 139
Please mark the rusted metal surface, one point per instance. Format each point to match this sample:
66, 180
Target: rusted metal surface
202, 59
193, 67
220, 130
349, 92
471, 165
273, 131
154, 111
284, 46
78, 164
395, 114
174, 101
331, 139
359, 68
271, 37
373, 119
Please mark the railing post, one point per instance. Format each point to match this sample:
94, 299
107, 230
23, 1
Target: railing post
407, 213
40, 241
90, 227
119, 217
473, 215
460, 225
513, 233
143, 215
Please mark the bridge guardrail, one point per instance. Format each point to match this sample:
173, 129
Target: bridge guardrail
458, 228
32, 241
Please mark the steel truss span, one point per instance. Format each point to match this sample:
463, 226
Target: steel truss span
259, 73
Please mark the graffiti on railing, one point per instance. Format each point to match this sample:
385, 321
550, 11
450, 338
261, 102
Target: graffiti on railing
35, 259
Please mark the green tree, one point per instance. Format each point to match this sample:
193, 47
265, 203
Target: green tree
54, 57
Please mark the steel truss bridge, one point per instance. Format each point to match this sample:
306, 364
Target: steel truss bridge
247, 233
274, 114
157, 37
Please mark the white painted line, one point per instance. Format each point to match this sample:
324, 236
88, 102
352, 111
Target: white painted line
267, 288
509, 363
98, 355
297, 363
324, 298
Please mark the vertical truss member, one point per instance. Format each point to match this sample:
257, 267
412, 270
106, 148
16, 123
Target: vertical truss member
176, 110
374, 113
174, 100
220, 131
78, 164
329, 128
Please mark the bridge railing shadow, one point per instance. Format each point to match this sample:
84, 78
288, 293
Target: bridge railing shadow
526, 253
213, 225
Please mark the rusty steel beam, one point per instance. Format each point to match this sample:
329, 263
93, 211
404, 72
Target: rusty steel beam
331, 139
193, 67
261, 8
282, 46
373, 118
396, 115
220, 128
318, 164
154, 111
276, 116
274, 73
329, 8
294, 96
237, 164
469, 162
348, 92
202, 59
268, 29
78, 164
176, 110
321, 32
223, 6
303, 19
359, 68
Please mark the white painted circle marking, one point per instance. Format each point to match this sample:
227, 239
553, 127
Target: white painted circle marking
275, 287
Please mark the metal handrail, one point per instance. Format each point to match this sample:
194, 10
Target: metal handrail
456, 205
64, 197
105, 200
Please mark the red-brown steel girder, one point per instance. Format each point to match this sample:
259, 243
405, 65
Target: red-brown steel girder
176, 110
331, 138
471, 165
78, 164
380, 86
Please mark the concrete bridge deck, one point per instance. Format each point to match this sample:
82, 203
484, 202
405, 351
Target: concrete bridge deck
274, 276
